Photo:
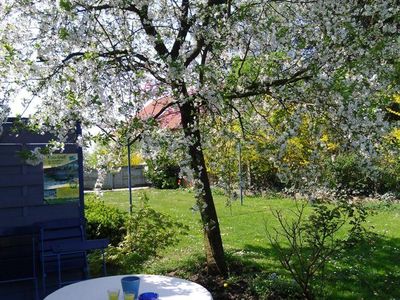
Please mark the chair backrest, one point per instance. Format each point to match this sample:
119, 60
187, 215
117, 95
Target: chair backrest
63, 248
64, 230
60, 230
67, 231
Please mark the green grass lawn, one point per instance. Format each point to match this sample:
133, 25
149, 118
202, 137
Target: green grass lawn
369, 271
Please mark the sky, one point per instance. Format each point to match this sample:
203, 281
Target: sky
17, 108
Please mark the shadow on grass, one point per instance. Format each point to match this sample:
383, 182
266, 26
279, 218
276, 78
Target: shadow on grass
369, 270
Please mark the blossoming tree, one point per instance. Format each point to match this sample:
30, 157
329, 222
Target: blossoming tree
99, 61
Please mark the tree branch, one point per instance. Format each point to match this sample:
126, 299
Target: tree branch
257, 89
149, 28
184, 29
196, 51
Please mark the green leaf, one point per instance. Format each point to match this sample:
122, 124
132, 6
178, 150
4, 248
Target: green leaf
63, 33
10, 49
66, 5
89, 55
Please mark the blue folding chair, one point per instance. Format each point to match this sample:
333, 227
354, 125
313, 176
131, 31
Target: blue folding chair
63, 249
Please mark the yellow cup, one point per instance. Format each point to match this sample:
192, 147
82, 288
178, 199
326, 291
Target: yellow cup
113, 294
129, 296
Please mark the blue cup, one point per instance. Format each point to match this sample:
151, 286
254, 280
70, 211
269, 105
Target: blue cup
148, 296
130, 284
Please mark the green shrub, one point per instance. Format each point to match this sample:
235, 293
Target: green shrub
347, 173
388, 180
163, 172
264, 176
148, 232
104, 221
304, 244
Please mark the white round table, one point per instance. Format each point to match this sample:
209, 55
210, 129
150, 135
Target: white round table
166, 287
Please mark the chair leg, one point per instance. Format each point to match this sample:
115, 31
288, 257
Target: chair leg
43, 278
104, 263
59, 270
35, 281
86, 270
36, 289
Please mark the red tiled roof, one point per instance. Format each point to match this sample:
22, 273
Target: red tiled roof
170, 118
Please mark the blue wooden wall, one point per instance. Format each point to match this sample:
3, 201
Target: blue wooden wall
22, 193
21, 184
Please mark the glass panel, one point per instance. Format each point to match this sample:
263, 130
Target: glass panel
61, 178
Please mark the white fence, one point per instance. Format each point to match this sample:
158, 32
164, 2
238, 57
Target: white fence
117, 180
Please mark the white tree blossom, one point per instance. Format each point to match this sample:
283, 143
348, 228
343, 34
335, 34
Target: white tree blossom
100, 61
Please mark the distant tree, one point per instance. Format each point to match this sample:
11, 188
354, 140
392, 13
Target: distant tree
115, 157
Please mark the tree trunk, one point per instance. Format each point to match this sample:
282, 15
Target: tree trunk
212, 236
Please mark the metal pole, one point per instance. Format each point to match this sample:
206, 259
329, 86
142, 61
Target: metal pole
240, 173
80, 175
129, 178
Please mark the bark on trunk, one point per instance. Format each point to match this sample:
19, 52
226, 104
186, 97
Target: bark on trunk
212, 236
